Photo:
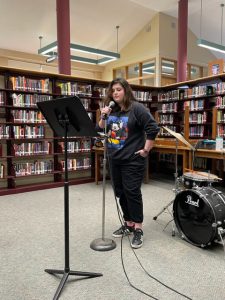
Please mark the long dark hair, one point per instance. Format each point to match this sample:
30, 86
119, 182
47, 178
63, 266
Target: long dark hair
128, 93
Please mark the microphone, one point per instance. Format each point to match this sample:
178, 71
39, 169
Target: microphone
111, 105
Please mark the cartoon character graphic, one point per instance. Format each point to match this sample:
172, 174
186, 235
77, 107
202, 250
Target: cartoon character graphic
117, 133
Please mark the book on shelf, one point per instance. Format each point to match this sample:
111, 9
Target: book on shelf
28, 100
2, 170
22, 83
25, 149
27, 116
33, 168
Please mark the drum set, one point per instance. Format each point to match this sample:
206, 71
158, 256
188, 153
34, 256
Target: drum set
198, 208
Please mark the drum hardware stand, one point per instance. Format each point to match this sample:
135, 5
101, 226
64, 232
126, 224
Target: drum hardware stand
221, 232
176, 189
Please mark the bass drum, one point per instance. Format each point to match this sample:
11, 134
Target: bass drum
198, 213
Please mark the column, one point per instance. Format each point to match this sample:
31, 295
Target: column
182, 40
63, 36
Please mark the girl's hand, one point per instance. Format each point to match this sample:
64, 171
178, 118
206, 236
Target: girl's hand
105, 111
142, 152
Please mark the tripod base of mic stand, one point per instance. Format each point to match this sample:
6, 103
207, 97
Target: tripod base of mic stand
103, 245
65, 277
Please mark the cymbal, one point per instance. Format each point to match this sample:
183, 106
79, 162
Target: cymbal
179, 137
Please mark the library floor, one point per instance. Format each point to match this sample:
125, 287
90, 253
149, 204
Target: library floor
32, 239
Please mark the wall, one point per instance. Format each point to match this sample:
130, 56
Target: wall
159, 41
168, 33
143, 46
34, 62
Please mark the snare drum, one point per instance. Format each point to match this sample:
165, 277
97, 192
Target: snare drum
198, 179
198, 213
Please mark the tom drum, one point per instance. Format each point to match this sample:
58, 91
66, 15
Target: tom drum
198, 179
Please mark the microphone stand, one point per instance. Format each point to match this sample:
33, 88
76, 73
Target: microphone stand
103, 244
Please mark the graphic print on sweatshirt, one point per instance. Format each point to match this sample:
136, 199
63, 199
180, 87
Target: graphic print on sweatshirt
117, 132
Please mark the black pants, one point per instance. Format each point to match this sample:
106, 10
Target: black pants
127, 177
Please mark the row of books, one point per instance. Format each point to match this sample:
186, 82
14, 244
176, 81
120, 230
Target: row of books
2, 99
143, 95
169, 107
86, 103
196, 91
77, 163
74, 88
197, 105
197, 131
201, 90
220, 116
170, 95
198, 118
28, 116
221, 130
166, 119
28, 100
100, 91
25, 149
33, 168
27, 131
76, 146
4, 131
2, 170
220, 102
22, 83
163, 132
193, 105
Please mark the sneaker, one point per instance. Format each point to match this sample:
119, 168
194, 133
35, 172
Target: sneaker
137, 240
123, 230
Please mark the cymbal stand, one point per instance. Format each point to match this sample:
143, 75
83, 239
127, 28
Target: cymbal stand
175, 190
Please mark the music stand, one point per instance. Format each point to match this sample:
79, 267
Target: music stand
180, 138
67, 117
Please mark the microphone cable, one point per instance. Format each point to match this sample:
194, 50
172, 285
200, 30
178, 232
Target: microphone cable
157, 280
122, 221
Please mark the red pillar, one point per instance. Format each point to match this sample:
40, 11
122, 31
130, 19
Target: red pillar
182, 40
63, 36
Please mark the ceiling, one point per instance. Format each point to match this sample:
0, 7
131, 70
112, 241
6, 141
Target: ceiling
93, 22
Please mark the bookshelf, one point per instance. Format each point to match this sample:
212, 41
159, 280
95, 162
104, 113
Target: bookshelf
31, 156
196, 110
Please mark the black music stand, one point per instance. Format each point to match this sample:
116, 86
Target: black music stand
67, 117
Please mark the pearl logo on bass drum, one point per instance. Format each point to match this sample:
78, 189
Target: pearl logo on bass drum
192, 202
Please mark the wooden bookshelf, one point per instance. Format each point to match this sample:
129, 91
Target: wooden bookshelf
196, 110
31, 156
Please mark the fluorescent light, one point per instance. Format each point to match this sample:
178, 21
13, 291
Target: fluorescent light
107, 56
105, 60
83, 59
51, 58
49, 48
85, 49
210, 45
